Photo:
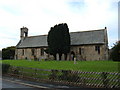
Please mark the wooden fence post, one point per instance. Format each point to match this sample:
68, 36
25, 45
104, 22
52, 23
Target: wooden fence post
21, 72
105, 80
35, 74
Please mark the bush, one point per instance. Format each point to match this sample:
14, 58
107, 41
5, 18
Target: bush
53, 74
115, 52
68, 75
5, 68
15, 70
8, 53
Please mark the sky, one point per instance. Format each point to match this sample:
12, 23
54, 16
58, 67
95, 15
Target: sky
40, 15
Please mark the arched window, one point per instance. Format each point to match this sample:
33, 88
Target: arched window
72, 55
97, 48
33, 51
26, 34
42, 51
23, 52
80, 51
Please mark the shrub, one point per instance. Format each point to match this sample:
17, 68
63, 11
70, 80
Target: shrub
15, 70
68, 75
5, 68
8, 53
53, 74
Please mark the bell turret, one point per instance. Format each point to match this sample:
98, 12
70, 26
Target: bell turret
24, 33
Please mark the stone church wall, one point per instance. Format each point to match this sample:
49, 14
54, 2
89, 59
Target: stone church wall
89, 52
83, 53
27, 53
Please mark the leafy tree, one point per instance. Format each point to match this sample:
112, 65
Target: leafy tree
115, 52
8, 53
59, 40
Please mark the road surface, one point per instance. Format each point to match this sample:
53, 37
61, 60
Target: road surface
13, 84
9, 82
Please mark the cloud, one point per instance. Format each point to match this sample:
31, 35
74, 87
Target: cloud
40, 15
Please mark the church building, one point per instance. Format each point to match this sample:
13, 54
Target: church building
85, 46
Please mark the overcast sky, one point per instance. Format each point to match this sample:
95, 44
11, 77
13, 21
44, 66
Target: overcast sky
39, 15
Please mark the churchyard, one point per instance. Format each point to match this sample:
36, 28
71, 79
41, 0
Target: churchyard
97, 66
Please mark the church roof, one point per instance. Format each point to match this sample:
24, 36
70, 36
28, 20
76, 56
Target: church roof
77, 38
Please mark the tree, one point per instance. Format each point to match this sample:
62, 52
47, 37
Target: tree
115, 52
59, 40
8, 53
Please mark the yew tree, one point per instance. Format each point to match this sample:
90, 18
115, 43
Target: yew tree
59, 40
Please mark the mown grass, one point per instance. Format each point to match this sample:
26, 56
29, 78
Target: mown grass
95, 66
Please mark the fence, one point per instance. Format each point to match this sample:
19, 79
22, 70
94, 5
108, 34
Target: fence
68, 77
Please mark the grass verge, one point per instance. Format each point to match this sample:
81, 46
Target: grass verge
94, 66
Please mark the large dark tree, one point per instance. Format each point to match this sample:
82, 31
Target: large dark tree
115, 52
8, 53
59, 40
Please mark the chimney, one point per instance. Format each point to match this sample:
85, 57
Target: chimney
24, 33
106, 28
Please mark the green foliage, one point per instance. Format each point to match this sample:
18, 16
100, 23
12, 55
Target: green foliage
58, 40
68, 75
8, 53
95, 66
53, 75
115, 52
5, 68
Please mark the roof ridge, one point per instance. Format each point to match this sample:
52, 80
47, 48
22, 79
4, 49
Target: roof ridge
88, 31
70, 32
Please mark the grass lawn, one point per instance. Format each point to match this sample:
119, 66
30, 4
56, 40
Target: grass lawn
96, 66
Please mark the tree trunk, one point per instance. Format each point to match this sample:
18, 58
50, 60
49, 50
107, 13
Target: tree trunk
65, 56
54, 56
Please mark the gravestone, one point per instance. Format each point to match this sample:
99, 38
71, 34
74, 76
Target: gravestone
68, 57
63, 57
39, 58
29, 59
57, 57
74, 60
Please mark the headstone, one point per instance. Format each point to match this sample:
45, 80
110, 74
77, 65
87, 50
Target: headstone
68, 57
29, 59
39, 58
57, 57
74, 60
45, 56
63, 57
